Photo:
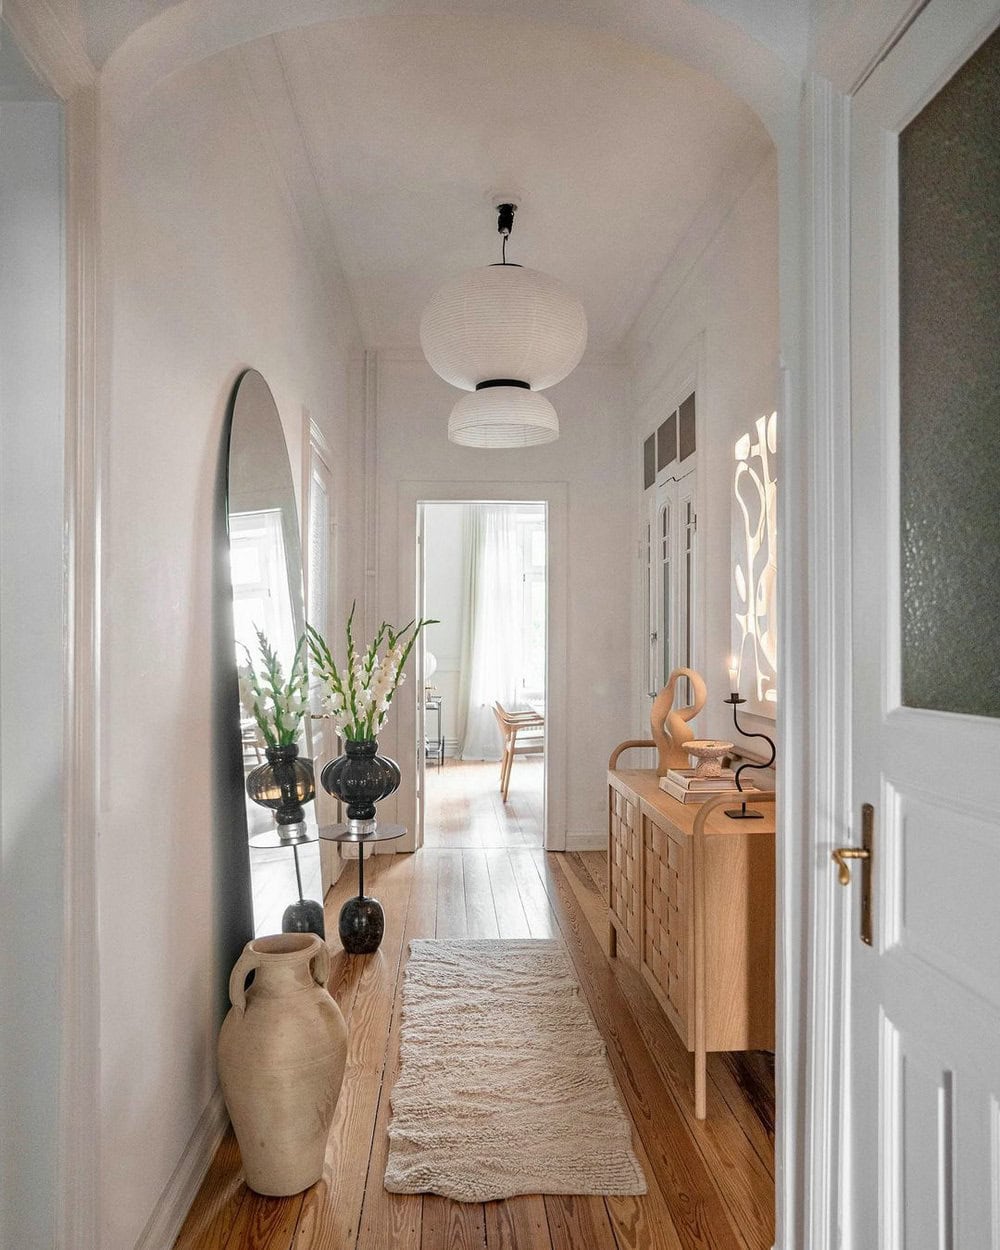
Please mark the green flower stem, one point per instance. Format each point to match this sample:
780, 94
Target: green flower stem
354, 723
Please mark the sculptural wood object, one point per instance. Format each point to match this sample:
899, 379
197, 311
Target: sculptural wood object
670, 727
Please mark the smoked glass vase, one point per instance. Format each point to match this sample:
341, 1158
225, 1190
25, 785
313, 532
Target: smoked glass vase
360, 778
283, 784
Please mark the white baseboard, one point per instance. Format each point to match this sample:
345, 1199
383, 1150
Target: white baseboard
586, 841
175, 1201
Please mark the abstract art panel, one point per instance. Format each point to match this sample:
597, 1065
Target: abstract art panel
755, 644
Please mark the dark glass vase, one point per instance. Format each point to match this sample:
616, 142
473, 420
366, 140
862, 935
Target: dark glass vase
283, 784
360, 778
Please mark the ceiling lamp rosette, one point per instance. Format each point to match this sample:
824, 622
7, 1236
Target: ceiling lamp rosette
504, 333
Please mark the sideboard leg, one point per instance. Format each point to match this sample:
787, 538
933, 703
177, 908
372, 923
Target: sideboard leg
612, 942
700, 1100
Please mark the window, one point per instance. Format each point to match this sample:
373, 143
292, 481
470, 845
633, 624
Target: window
257, 555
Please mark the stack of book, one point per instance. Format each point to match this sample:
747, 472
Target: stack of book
683, 785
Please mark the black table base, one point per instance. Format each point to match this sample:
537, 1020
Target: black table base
362, 924
362, 920
305, 916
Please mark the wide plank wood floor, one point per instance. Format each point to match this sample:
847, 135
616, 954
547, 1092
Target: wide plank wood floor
710, 1183
463, 806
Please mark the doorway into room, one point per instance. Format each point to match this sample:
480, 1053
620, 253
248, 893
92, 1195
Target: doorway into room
481, 728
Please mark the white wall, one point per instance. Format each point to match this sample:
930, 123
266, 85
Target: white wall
206, 274
32, 660
592, 458
721, 312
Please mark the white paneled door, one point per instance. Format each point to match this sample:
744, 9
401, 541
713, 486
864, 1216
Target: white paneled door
923, 1117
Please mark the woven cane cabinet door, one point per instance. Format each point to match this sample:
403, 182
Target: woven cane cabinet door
667, 916
625, 866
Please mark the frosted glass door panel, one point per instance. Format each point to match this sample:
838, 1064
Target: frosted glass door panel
949, 375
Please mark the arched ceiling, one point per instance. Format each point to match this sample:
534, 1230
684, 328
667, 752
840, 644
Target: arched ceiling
392, 130
397, 130
782, 26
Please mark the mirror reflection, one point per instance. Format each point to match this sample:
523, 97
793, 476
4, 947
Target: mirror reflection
266, 566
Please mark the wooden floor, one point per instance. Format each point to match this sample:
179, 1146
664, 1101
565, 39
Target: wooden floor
463, 806
710, 1183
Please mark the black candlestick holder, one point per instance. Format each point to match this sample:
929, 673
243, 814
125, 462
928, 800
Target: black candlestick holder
742, 813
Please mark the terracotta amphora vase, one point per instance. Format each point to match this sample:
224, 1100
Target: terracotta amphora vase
282, 1050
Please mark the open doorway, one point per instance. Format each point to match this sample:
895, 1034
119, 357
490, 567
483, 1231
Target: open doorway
482, 728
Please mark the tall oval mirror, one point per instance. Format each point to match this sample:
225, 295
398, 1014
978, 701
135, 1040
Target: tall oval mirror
266, 565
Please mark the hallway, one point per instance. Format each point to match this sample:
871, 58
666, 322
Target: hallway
710, 1183
463, 807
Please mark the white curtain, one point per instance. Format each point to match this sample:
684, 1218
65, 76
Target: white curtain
491, 652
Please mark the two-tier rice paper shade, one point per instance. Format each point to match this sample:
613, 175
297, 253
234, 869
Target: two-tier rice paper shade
503, 321
503, 416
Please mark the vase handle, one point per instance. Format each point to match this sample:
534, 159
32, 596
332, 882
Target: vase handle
246, 963
319, 965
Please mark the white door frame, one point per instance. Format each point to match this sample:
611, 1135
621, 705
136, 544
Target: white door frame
815, 615
555, 495
816, 569
63, 63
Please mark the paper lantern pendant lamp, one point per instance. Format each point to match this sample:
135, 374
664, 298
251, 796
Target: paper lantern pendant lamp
503, 332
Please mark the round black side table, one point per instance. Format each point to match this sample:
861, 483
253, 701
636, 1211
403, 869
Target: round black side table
362, 920
305, 916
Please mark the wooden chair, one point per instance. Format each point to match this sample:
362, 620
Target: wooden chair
511, 724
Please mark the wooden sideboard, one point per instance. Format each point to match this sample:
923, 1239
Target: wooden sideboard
691, 904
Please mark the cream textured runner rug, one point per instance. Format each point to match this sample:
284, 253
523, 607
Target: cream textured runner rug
504, 1087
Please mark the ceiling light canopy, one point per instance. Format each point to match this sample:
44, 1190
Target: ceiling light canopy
504, 333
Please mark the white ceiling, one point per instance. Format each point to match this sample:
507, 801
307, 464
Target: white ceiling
392, 133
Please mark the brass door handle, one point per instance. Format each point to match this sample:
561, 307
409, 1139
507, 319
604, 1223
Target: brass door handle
840, 857
864, 852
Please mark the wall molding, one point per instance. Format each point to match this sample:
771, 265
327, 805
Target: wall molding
78, 1199
370, 509
853, 43
826, 129
175, 1201
58, 55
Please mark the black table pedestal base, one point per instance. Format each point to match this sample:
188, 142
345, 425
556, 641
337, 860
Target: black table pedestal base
305, 916
362, 923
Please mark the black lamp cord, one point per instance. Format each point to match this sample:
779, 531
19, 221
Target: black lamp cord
505, 224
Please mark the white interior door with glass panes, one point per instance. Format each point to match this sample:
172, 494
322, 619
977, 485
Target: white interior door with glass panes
531, 531
923, 1053
669, 544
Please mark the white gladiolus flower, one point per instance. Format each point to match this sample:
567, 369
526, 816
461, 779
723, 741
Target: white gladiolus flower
278, 701
359, 695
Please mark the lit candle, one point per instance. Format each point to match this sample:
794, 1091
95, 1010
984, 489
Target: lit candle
734, 674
